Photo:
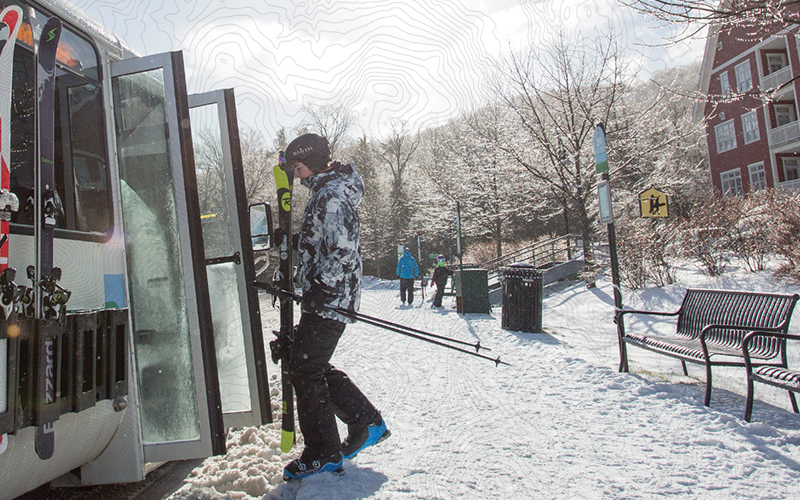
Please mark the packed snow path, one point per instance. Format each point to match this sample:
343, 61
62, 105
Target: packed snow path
551, 425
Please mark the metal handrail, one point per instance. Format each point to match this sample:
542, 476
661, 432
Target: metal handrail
529, 253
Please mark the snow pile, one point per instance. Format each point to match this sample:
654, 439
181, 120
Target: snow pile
253, 465
560, 422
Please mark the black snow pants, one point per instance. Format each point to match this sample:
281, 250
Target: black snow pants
407, 290
323, 392
437, 298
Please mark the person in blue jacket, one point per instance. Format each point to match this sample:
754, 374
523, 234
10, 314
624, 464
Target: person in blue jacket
407, 270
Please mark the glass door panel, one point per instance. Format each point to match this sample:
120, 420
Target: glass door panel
241, 361
179, 395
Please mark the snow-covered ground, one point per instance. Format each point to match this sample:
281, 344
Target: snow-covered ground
560, 422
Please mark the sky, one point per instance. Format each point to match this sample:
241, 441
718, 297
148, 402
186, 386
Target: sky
559, 423
422, 61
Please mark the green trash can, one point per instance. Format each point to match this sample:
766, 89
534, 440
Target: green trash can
472, 291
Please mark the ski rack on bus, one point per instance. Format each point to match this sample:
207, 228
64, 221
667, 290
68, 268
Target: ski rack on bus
86, 354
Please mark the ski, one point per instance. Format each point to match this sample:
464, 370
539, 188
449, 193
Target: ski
281, 347
10, 20
47, 208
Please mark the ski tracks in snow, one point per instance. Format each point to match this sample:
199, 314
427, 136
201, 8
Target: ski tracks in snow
551, 425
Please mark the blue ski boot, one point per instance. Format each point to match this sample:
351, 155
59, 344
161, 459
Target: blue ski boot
375, 433
300, 468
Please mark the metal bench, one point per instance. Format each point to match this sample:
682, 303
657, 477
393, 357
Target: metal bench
778, 376
711, 327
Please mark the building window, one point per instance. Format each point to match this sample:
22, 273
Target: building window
724, 86
81, 152
776, 62
726, 136
791, 169
744, 79
785, 114
731, 183
758, 176
750, 127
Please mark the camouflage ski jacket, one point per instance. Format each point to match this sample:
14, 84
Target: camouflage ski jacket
329, 248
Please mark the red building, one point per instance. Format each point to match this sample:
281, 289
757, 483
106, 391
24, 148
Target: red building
752, 84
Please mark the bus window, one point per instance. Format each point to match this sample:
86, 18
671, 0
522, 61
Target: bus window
81, 156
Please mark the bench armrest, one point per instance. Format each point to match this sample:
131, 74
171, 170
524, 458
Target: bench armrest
722, 326
762, 333
651, 313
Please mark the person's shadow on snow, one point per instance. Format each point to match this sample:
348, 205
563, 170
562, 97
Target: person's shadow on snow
357, 482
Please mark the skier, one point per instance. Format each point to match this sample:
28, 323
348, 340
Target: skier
440, 275
407, 271
328, 273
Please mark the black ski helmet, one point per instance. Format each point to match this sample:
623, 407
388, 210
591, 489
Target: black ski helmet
311, 149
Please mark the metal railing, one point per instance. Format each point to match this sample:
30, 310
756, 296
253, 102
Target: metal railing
775, 79
785, 133
540, 253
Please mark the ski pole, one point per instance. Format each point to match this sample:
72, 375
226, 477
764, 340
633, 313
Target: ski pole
361, 316
404, 330
401, 331
477, 345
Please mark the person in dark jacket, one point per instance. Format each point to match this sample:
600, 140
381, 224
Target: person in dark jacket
407, 270
328, 274
440, 275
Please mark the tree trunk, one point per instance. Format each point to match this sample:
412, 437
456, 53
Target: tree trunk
499, 237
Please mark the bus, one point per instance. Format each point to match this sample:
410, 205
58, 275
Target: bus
160, 350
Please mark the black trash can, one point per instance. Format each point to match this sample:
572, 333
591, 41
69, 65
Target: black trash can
472, 291
522, 298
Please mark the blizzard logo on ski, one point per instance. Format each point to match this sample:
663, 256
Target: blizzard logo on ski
48, 428
49, 372
51, 34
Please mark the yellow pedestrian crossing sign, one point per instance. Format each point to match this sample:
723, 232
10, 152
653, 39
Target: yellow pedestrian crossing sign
653, 203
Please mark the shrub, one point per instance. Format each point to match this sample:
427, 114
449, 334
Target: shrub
785, 233
642, 246
705, 238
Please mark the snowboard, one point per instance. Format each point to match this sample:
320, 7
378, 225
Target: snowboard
281, 348
46, 210
10, 21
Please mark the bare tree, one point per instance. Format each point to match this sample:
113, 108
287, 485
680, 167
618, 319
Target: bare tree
256, 156
660, 143
374, 211
693, 16
332, 122
396, 153
559, 93
464, 163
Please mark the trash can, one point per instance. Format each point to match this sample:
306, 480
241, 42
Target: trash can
472, 291
522, 298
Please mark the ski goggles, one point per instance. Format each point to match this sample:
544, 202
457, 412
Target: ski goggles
442, 260
282, 160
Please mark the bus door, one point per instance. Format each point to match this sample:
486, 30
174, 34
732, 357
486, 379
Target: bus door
179, 394
241, 359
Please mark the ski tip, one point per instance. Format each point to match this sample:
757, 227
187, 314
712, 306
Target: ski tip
287, 440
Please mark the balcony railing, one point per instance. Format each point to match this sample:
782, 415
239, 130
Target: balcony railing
790, 186
774, 80
785, 133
